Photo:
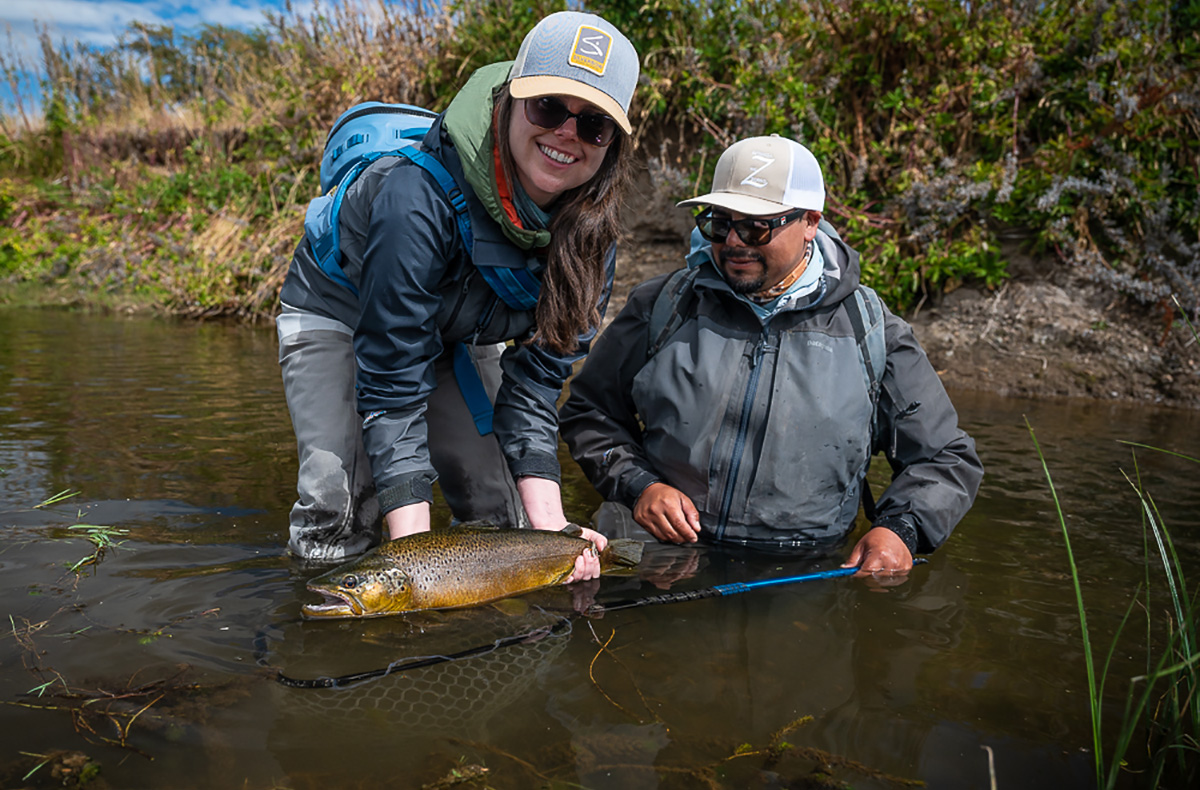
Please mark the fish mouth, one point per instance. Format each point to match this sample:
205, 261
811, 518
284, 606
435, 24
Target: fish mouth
334, 604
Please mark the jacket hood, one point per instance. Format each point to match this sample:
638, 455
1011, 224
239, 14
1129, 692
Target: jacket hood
840, 277
468, 121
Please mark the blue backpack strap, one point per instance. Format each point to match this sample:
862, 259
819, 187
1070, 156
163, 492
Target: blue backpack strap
517, 287
471, 387
469, 382
458, 200
321, 225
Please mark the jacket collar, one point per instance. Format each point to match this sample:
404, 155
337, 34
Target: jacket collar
492, 247
468, 122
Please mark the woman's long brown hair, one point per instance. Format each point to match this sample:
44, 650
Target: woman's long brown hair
586, 224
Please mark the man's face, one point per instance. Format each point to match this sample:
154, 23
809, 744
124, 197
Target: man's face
751, 269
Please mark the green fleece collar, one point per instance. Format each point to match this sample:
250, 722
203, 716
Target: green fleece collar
468, 121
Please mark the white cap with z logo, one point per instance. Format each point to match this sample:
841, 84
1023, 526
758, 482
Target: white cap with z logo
760, 176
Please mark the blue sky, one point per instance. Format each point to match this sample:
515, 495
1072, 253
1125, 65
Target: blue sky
99, 22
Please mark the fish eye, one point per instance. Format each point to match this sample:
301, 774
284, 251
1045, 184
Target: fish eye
350, 581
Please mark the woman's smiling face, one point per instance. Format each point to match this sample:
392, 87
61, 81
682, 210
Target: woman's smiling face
551, 161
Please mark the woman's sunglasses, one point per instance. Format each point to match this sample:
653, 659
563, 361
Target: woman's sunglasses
753, 231
592, 128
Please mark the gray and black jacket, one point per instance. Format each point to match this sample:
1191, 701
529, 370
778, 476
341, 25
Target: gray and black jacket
420, 293
769, 427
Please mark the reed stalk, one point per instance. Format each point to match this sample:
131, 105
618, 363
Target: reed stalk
1162, 703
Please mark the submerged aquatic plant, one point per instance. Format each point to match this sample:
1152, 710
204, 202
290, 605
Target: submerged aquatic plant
1163, 702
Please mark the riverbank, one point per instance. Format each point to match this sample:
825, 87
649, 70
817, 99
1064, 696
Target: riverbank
1043, 333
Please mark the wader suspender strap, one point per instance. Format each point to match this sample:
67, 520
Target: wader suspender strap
471, 387
864, 312
666, 316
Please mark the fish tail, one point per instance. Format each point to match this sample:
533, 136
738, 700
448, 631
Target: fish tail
622, 553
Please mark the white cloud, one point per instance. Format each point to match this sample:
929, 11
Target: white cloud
99, 22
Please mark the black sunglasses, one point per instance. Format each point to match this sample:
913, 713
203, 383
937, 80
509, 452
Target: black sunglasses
753, 231
592, 128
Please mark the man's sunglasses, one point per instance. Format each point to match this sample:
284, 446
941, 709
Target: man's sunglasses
592, 128
753, 231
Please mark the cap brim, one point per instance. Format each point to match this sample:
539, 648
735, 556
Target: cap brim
536, 87
742, 204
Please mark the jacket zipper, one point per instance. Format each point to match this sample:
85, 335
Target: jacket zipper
485, 317
739, 442
462, 299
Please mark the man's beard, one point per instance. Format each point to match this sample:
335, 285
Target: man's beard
744, 285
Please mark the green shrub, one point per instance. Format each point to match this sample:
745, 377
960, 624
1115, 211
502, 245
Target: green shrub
941, 126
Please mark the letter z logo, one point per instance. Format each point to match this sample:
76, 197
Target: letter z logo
591, 49
753, 179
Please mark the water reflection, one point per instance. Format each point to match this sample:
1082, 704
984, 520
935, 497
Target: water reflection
177, 432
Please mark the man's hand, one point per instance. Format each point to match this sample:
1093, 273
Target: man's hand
881, 552
667, 514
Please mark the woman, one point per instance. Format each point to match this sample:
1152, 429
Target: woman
540, 149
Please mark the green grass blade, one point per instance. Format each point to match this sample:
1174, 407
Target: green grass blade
1183, 314
61, 496
1150, 512
1093, 699
1159, 450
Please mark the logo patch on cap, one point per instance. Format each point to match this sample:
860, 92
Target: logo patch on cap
754, 180
591, 49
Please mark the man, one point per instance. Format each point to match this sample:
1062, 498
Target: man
741, 403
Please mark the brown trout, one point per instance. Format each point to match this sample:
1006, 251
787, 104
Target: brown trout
455, 567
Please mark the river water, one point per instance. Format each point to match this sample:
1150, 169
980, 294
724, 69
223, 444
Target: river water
157, 658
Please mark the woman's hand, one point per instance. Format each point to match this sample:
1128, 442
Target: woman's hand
587, 565
542, 500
